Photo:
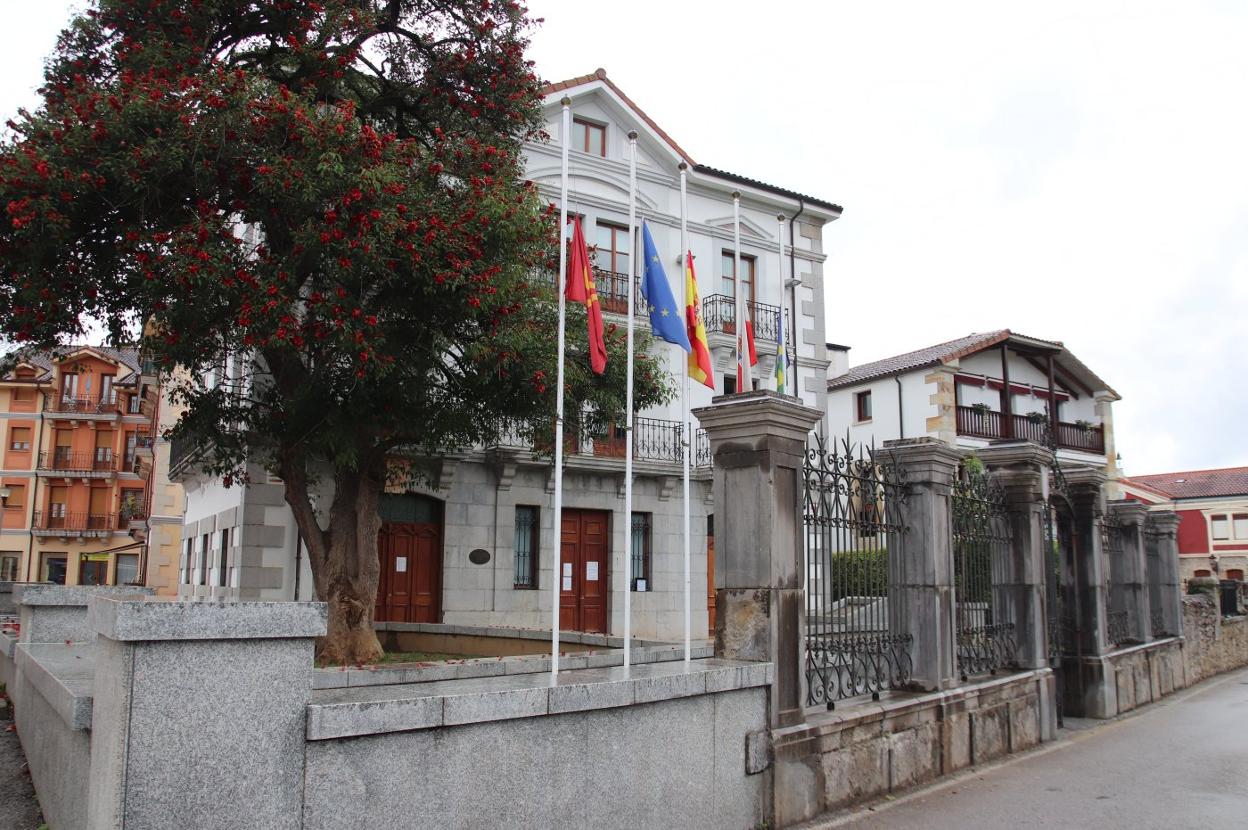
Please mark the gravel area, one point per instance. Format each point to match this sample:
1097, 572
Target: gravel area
18, 808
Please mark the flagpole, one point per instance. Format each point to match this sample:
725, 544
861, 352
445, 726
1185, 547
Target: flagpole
556, 580
628, 405
686, 427
782, 355
743, 359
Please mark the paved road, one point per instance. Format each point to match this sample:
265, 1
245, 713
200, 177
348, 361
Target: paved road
1182, 763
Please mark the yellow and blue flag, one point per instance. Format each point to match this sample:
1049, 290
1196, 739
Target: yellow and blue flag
666, 319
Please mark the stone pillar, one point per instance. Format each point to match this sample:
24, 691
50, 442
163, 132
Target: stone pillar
1131, 584
1085, 484
758, 442
921, 596
1020, 468
199, 712
1161, 547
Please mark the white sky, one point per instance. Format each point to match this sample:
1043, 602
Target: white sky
1070, 170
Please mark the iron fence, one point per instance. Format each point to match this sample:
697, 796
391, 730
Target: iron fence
981, 549
855, 641
1120, 618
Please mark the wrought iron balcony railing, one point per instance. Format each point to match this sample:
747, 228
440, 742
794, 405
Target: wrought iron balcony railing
79, 405
76, 522
60, 460
719, 315
654, 439
978, 422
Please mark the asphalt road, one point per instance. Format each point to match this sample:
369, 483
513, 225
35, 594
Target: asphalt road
1181, 763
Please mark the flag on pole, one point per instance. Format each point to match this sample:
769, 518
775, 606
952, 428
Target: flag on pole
700, 366
665, 320
747, 356
581, 289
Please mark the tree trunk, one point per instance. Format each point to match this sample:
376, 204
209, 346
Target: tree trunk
343, 556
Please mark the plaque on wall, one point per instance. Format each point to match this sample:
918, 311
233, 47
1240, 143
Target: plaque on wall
480, 556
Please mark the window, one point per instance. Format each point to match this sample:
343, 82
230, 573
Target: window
69, 386
52, 568
730, 384
223, 557
188, 557
17, 497
203, 560
613, 248
131, 504
1236, 574
132, 441
107, 393
639, 552
862, 406
134, 404
1240, 523
57, 498
127, 569
728, 272
1219, 526
104, 450
8, 567
526, 547
93, 569
589, 137
19, 439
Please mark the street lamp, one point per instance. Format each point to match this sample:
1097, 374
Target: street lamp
1213, 564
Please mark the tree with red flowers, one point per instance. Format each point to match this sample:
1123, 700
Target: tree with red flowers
313, 217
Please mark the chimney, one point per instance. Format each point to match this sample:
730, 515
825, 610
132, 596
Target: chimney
838, 360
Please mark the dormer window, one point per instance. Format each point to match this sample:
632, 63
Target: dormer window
589, 137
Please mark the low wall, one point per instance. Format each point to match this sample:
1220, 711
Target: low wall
1215, 644
490, 641
1139, 675
662, 745
838, 758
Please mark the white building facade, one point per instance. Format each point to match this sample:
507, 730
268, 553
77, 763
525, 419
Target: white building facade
957, 392
474, 545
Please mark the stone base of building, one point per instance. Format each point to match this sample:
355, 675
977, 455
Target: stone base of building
860, 752
1109, 685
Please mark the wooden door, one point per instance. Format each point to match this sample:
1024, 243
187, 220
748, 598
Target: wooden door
584, 550
710, 582
410, 587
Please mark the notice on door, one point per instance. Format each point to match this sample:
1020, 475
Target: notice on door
591, 571
400, 564
567, 576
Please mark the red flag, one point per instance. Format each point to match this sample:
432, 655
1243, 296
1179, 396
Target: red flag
749, 341
581, 288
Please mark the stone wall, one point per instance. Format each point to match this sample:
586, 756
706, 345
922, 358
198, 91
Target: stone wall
1144, 674
843, 757
1215, 644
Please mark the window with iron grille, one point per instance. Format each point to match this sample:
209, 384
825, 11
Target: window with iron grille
203, 560
526, 547
189, 557
639, 553
223, 557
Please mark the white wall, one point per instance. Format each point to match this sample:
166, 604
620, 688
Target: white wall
886, 422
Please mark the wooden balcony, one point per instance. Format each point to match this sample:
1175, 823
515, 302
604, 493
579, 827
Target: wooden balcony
986, 423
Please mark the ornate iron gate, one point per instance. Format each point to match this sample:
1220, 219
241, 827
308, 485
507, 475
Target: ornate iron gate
855, 644
982, 541
1120, 624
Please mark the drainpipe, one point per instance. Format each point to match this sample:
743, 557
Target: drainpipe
901, 413
801, 207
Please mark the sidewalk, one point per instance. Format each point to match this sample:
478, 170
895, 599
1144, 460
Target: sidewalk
18, 808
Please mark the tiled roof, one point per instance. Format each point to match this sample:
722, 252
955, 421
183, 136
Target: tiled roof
128, 357
919, 359
601, 75
1195, 484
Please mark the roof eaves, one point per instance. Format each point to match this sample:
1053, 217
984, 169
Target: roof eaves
770, 188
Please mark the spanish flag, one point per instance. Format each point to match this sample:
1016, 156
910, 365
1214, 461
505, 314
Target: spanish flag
581, 289
700, 355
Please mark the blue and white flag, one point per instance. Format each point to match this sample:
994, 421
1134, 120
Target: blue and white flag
667, 320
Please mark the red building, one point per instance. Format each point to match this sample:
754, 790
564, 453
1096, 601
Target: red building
1213, 511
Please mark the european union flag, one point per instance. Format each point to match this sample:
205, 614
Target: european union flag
667, 320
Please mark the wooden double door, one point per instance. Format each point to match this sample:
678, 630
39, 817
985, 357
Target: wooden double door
584, 557
410, 588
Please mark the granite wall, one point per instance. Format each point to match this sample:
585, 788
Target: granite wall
1215, 644
843, 757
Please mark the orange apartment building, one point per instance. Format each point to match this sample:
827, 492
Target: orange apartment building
78, 436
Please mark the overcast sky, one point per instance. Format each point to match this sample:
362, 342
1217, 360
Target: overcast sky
1073, 171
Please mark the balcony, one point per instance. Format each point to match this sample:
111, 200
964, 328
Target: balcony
144, 444
84, 408
654, 440
719, 315
71, 464
61, 523
977, 422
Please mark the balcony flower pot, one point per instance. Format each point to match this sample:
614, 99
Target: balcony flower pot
1084, 426
1037, 417
981, 408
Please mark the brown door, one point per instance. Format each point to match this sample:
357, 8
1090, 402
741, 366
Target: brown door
410, 587
583, 557
710, 580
